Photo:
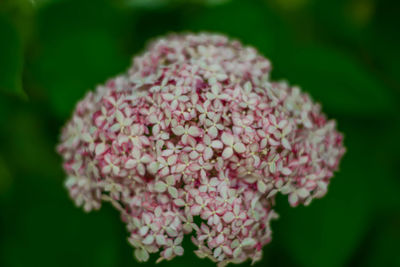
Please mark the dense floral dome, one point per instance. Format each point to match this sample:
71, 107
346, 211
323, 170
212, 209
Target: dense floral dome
195, 138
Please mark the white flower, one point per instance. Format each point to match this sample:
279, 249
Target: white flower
232, 144
161, 187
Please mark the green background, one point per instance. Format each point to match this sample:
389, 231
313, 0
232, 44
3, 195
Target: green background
345, 53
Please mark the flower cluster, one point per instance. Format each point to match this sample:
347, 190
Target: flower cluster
195, 139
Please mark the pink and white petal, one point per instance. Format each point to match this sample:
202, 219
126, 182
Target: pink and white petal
183, 98
130, 163
293, 199
286, 171
167, 152
148, 240
160, 240
286, 144
168, 97
160, 187
210, 96
141, 254
217, 144
208, 153
194, 154
172, 160
302, 192
227, 250
237, 252
141, 169
282, 124
143, 230
194, 131
212, 131
227, 153
195, 209
248, 242
178, 250
173, 191
239, 148
220, 238
174, 104
203, 188
214, 181
153, 167
228, 217
261, 186
100, 148
164, 171
227, 138
158, 212
168, 253
273, 142
115, 170
179, 202
217, 252
179, 130
170, 180
171, 231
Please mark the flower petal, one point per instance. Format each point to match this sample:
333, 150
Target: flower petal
160, 187
173, 191
228, 217
194, 131
227, 138
239, 148
228, 152
179, 130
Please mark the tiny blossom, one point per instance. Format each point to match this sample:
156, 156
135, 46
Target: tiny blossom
168, 186
232, 144
210, 145
187, 132
213, 125
195, 138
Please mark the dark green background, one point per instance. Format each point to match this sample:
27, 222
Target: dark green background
345, 53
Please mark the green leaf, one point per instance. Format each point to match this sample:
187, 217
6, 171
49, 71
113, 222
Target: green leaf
384, 242
249, 21
79, 50
51, 231
163, 3
384, 41
341, 84
11, 60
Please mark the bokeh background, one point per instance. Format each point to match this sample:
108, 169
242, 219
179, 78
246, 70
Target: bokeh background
345, 53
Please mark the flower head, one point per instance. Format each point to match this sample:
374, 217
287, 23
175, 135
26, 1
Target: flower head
195, 137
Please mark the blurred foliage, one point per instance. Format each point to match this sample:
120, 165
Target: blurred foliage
160, 3
343, 85
345, 53
11, 59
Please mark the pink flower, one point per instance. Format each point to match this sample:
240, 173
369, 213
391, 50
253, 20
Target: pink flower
209, 185
111, 164
232, 144
199, 205
176, 97
173, 248
236, 214
204, 111
167, 186
187, 132
216, 94
211, 145
195, 129
194, 149
213, 125
138, 161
